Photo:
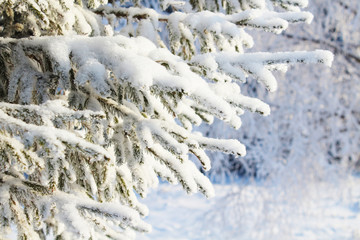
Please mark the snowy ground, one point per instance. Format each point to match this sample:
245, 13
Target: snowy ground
316, 209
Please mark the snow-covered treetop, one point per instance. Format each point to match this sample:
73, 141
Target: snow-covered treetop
99, 99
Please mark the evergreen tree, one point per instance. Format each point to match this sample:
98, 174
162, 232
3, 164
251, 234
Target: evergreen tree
98, 100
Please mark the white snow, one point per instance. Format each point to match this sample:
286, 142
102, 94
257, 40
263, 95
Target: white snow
320, 210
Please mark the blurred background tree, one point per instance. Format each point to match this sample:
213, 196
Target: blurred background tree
315, 117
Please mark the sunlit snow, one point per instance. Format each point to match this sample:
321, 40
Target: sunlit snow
254, 210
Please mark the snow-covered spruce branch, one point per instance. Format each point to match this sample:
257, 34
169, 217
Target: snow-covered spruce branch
52, 17
140, 133
54, 160
89, 121
172, 83
167, 65
74, 212
257, 65
253, 17
48, 17
213, 30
